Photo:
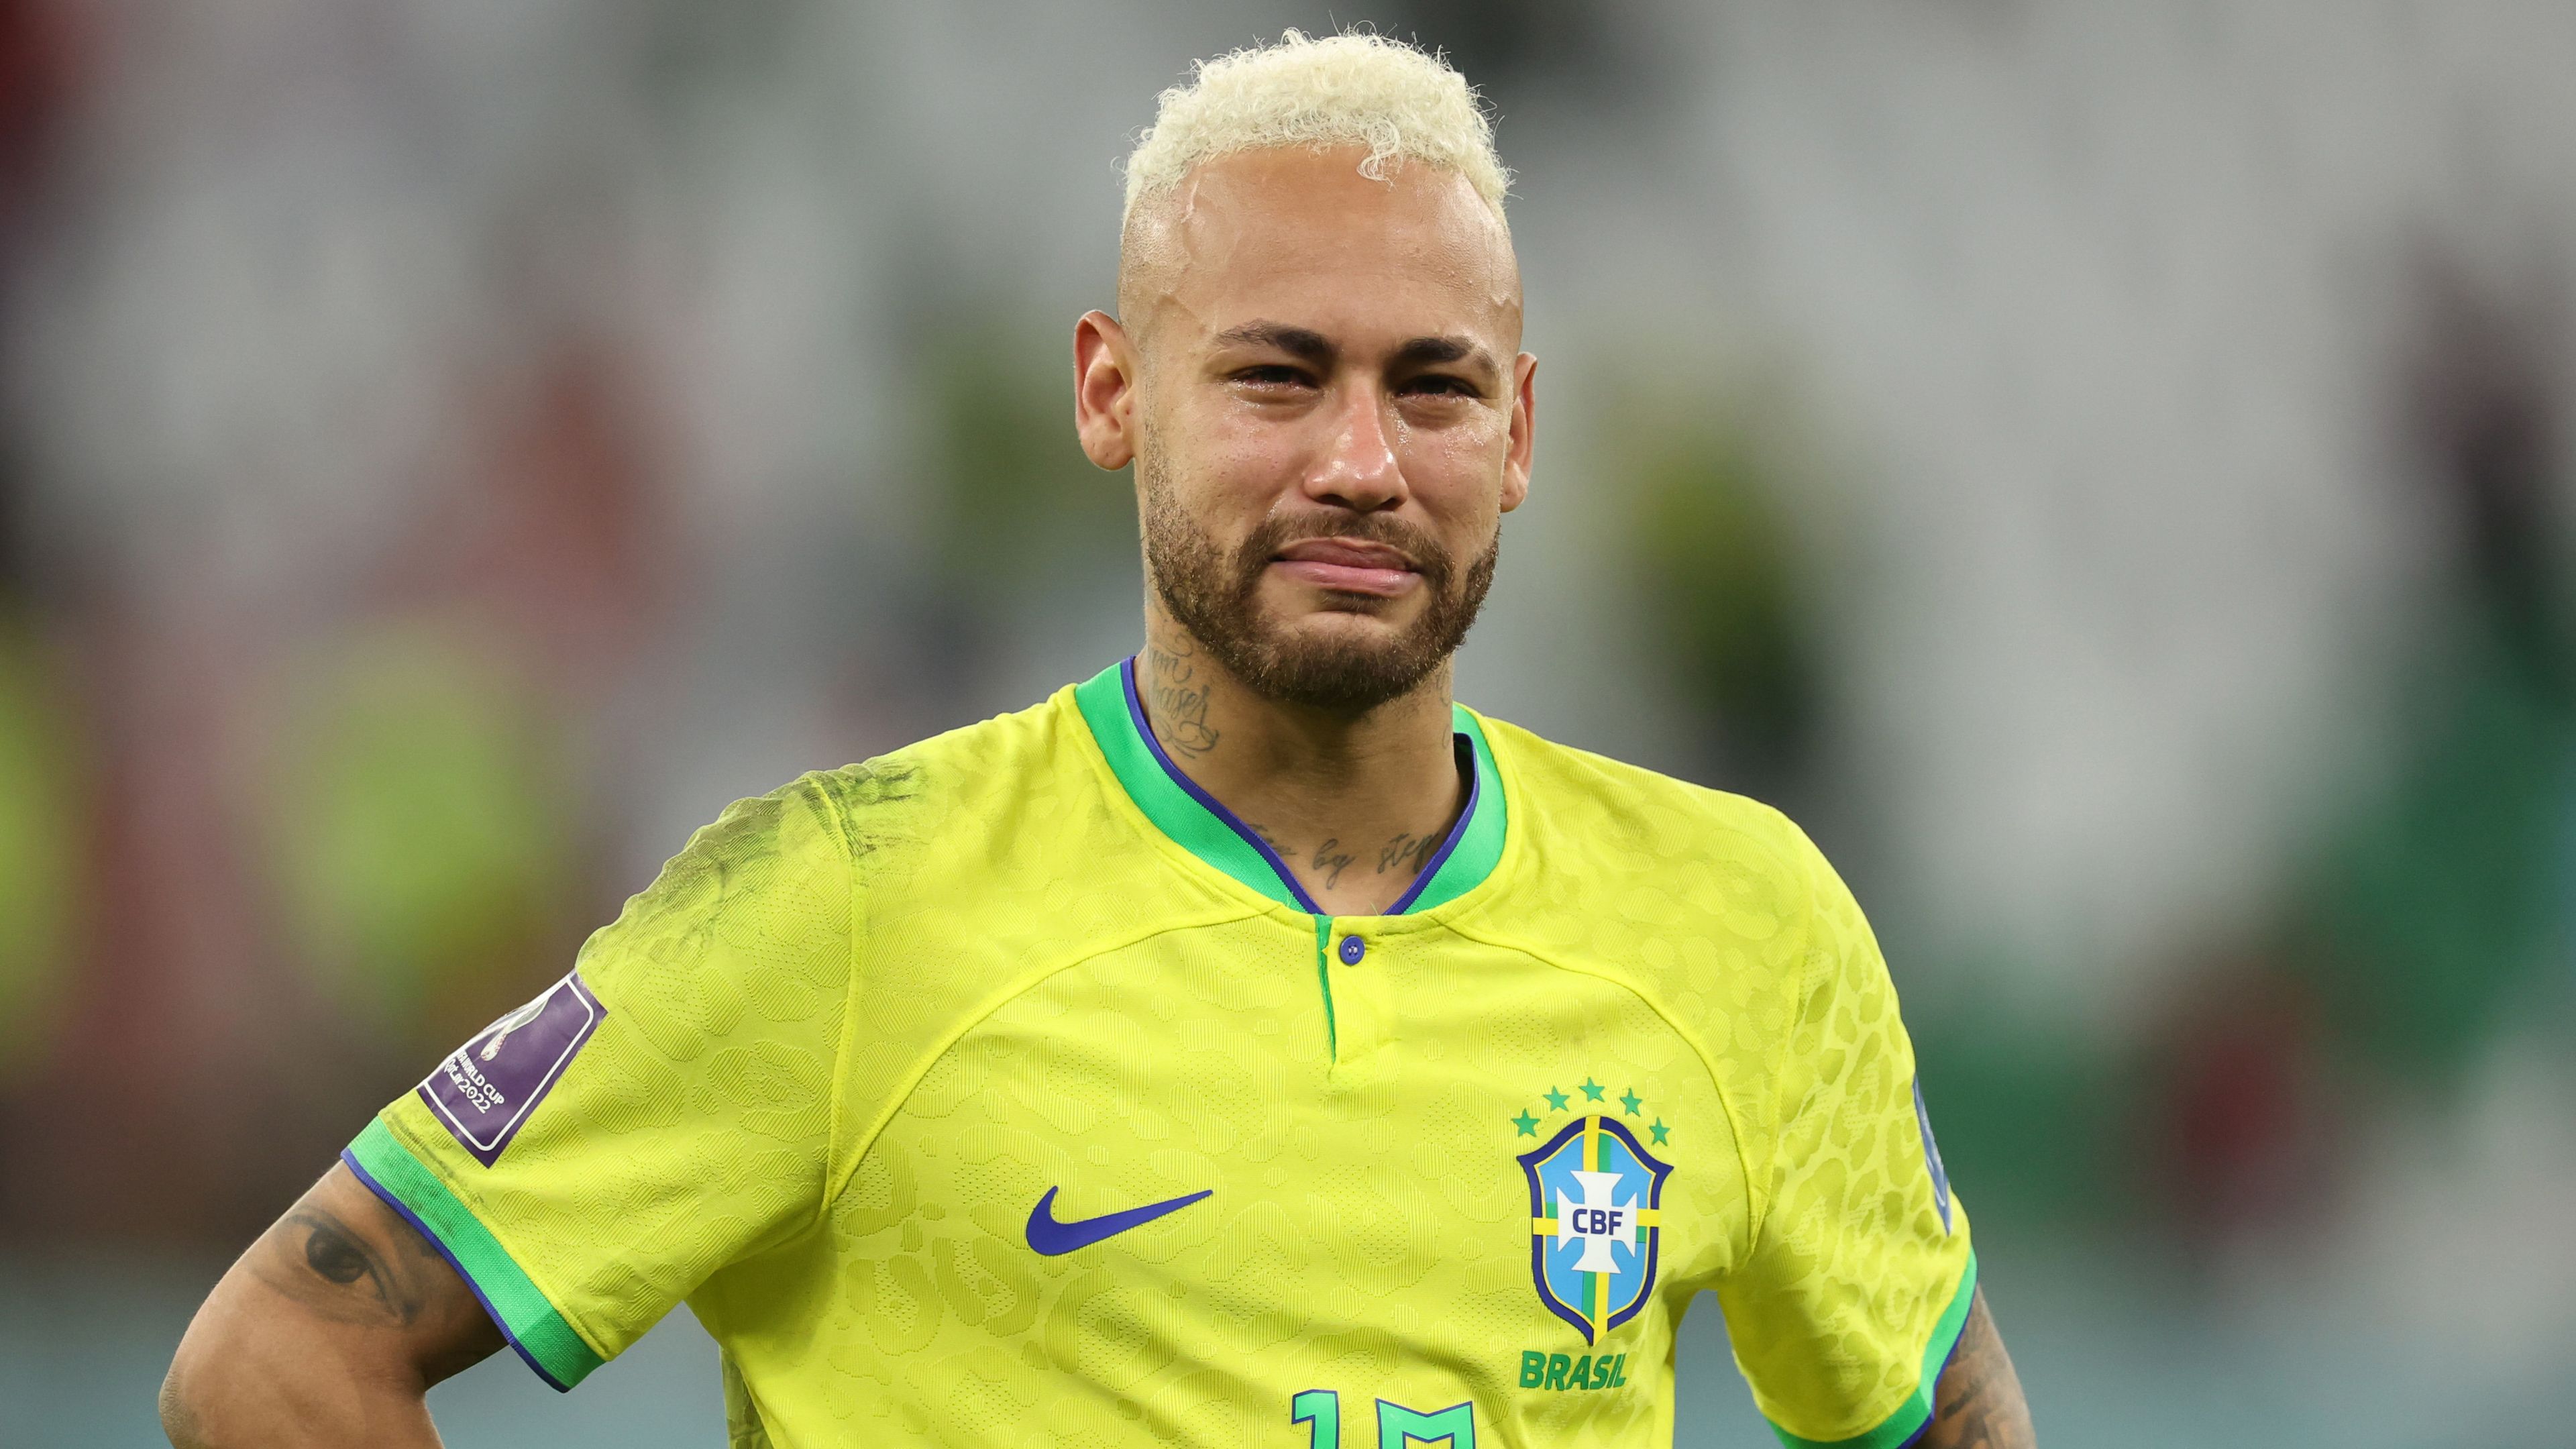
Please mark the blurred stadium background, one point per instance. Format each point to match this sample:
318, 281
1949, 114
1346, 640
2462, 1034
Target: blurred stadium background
2105, 467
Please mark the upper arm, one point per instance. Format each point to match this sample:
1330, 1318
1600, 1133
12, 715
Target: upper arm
1860, 1276
1981, 1402
339, 1313
567, 1176
662, 1112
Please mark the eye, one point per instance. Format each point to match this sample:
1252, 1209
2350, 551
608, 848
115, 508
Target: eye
1271, 375
1434, 384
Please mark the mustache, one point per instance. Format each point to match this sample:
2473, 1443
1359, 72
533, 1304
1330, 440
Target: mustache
1283, 530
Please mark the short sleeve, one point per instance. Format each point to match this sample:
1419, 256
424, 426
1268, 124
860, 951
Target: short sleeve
664, 1110
1860, 1272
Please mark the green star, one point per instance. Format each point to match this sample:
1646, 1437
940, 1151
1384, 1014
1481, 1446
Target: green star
1632, 1101
1593, 1089
1527, 1123
1659, 1129
1555, 1100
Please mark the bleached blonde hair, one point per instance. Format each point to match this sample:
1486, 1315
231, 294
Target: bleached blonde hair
1354, 89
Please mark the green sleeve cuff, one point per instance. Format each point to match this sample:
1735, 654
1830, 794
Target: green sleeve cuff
525, 1316
1912, 1416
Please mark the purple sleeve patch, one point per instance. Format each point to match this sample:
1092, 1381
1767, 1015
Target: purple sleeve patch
485, 1091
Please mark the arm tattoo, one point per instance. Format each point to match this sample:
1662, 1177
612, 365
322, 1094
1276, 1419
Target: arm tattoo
1979, 1399
1180, 702
320, 1261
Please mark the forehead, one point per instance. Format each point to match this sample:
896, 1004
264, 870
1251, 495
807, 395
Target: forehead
1301, 237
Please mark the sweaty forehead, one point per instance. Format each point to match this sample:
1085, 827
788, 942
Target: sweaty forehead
1301, 237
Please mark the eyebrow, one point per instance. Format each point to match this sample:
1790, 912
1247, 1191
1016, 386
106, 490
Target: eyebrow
1308, 345
1302, 343
1430, 351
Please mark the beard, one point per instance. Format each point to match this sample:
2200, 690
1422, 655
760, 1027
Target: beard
1213, 595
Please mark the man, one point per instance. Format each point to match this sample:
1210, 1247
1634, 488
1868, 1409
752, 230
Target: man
1247, 1046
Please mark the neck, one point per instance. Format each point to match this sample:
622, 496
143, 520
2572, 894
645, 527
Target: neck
1354, 804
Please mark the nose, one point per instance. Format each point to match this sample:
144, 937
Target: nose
1358, 469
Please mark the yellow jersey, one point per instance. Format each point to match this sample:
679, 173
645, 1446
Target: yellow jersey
1006, 1090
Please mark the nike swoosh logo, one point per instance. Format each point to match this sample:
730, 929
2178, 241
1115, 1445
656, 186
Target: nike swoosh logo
1052, 1238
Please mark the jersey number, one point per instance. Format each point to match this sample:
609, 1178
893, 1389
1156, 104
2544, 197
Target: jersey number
1320, 1410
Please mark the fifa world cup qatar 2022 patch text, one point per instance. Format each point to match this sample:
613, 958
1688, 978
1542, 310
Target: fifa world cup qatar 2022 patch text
485, 1090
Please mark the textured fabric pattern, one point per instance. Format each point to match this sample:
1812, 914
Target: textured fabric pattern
1725, 916
694, 1128
861, 1027
1851, 1265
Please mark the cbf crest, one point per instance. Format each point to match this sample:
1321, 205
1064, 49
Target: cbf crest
1596, 1222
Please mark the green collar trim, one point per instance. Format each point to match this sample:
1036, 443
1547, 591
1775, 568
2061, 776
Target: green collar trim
1200, 824
1475, 843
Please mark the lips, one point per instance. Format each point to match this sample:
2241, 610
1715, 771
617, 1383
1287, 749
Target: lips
1348, 565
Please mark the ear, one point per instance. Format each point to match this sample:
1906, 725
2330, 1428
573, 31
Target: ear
1104, 390
1516, 460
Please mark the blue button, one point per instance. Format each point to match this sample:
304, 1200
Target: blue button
1353, 948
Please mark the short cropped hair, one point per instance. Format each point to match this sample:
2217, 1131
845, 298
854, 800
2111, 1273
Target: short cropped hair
1354, 89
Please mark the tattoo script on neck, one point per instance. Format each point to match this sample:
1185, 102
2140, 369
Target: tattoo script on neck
1180, 700
1331, 860
1407, 852
1404, 851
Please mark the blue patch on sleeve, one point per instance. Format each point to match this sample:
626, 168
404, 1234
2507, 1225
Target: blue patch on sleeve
1932, 1157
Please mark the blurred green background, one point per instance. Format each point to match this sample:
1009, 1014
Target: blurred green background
2105, 470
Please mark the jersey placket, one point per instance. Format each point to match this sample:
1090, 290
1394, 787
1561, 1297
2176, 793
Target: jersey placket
1199, 822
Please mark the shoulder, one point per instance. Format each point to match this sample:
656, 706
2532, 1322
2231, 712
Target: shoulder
889, 799
797, 852
959, 807
1594, 816
1713, 906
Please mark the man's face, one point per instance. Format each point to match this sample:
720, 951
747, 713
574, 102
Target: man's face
1330, 416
